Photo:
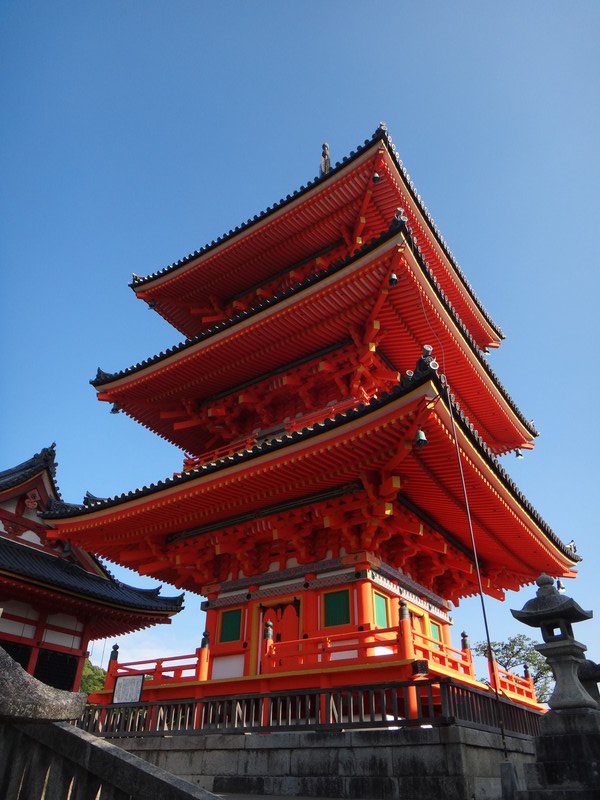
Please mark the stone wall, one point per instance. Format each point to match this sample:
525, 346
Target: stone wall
448, 763
54, 761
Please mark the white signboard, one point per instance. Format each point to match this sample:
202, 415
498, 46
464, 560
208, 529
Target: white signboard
128, 689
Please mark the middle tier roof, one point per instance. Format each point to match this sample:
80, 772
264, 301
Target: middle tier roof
350, 299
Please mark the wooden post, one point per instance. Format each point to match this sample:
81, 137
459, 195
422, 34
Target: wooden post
465, 646
113, 667
527, 676
79, 672
268, 646
406, 650
203, 656
406, 643
493, 672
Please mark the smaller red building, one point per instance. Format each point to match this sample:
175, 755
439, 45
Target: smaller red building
56, 597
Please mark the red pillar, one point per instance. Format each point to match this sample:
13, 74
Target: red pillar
84, 655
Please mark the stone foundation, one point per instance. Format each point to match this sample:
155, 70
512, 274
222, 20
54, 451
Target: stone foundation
446, 763
567, 763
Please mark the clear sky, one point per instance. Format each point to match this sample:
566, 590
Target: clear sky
135, 132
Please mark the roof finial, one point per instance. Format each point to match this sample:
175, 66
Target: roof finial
325, 161
382, 126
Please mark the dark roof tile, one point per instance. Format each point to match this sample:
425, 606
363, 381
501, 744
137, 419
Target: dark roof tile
314, 430
381, 134
44, 460
58, 573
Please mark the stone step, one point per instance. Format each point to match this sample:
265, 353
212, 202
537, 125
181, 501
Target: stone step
267, 797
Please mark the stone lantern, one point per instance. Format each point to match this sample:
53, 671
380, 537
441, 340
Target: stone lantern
567, 764
554, 614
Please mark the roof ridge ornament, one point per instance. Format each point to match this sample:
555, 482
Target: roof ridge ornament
102, 376
89, 499
62, 507
325, 168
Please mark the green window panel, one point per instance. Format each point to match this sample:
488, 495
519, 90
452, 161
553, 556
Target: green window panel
231, 625
381, 611
337, 608
436, 631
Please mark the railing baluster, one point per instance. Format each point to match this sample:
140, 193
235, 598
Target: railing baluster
435, 701
394, 697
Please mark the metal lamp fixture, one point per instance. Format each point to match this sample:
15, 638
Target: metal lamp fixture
421, 439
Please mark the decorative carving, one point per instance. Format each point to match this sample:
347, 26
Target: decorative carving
325, 167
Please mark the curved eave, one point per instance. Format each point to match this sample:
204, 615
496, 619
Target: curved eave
65, 577
104, 620
461, 337
151, 614
117, 388
267, 465
111, 381
487, 331
41, 465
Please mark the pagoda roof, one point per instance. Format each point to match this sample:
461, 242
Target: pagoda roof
45, 460
214, 263
121, 387
508, 526
61, 575
77, 577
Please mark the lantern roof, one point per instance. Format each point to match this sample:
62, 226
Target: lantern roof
549, 605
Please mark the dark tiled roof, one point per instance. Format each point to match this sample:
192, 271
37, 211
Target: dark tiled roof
283, 440
103, 377
381, 134
397, 225
44, 460
58, 573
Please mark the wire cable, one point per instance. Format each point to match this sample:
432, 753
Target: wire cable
490, 651
491, 657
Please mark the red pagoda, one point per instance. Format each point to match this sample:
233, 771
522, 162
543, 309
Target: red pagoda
319, 509
56, 597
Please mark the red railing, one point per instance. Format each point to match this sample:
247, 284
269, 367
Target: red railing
288, 426
159, 670
355, 646
437, 652
511, 685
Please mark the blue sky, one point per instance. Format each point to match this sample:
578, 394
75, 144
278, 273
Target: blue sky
135, 132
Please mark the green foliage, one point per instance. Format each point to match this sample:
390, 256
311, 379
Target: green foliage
92, 679
514, 654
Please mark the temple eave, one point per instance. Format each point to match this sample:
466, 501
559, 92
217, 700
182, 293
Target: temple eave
338, 305
181, 278
510, 537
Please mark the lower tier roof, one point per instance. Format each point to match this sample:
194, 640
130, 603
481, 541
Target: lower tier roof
361, 445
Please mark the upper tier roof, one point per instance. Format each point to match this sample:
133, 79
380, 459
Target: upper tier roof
284, 327
304, 224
